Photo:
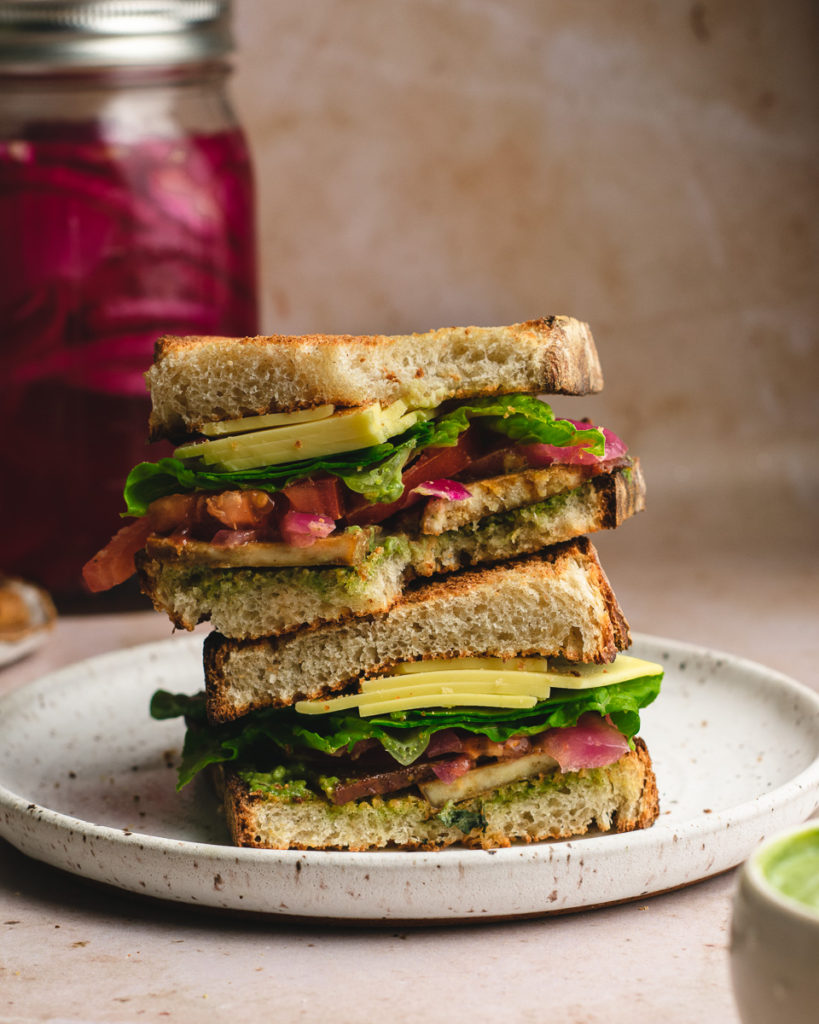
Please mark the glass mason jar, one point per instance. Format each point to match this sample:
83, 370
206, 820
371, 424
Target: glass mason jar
126, 212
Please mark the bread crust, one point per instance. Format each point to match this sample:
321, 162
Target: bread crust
530, 486
197, 380
191, 588
621, 797
559, 603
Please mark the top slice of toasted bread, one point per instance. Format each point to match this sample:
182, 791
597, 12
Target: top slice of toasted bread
198, 380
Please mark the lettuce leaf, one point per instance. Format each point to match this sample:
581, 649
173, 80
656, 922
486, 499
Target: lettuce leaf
253, 740
526, 420
382, 481
175, 705
151, 480
374, 472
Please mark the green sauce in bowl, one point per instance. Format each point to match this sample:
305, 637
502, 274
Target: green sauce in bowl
792, 867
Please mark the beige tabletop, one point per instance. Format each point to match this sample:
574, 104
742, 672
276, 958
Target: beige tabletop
70, 951
648, 168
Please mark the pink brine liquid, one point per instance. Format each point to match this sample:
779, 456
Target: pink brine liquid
104, 247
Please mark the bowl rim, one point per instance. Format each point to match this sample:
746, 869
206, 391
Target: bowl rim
754, 874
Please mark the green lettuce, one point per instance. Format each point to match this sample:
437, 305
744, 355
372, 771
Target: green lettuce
251, 741
360, 470
526, 420
374, 472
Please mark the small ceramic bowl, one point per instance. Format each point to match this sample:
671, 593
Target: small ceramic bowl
775, 930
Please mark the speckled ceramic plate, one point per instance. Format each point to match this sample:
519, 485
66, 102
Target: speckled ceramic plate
87, 784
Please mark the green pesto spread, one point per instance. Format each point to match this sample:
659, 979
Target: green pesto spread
792, 867
279, 782
295, 784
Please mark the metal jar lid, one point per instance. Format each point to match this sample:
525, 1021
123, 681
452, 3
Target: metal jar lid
44, 34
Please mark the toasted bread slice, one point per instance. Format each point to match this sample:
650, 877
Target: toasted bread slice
199, 380
620, 797
602, 503
499, 494
516, 490
246, 602
196, 582
556, 604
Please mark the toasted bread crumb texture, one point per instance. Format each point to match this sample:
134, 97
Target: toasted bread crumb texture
602, 503
259, 602
246, 603
556, 605
498, 494
621, 797
200, 380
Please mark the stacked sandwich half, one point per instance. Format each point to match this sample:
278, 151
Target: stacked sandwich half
414, 643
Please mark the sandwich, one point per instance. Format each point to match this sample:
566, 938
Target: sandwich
414, 642
316, 477
444, 720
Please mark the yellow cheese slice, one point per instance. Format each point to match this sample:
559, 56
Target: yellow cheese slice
344, 431
476, 682
584, 677
446, 700
473, 680
245, 424
383, 702
565, 675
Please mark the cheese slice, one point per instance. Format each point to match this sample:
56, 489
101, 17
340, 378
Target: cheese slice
245, 424
461, 679
390, 703
382, 704
560, 674
624, 668
476, 682
344, 431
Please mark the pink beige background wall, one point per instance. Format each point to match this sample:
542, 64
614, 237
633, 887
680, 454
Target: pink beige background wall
650, 167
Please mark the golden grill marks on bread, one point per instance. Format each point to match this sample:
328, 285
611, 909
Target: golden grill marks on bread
603, 503
195, 381
517, 490
620, 797
558, 604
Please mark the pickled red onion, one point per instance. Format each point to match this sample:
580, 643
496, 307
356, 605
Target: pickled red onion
301, 529
592, 743
450, 490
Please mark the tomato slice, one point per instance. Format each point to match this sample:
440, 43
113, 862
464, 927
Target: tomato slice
443, 463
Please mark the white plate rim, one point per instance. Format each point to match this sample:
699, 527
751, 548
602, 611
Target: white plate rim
783, 805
